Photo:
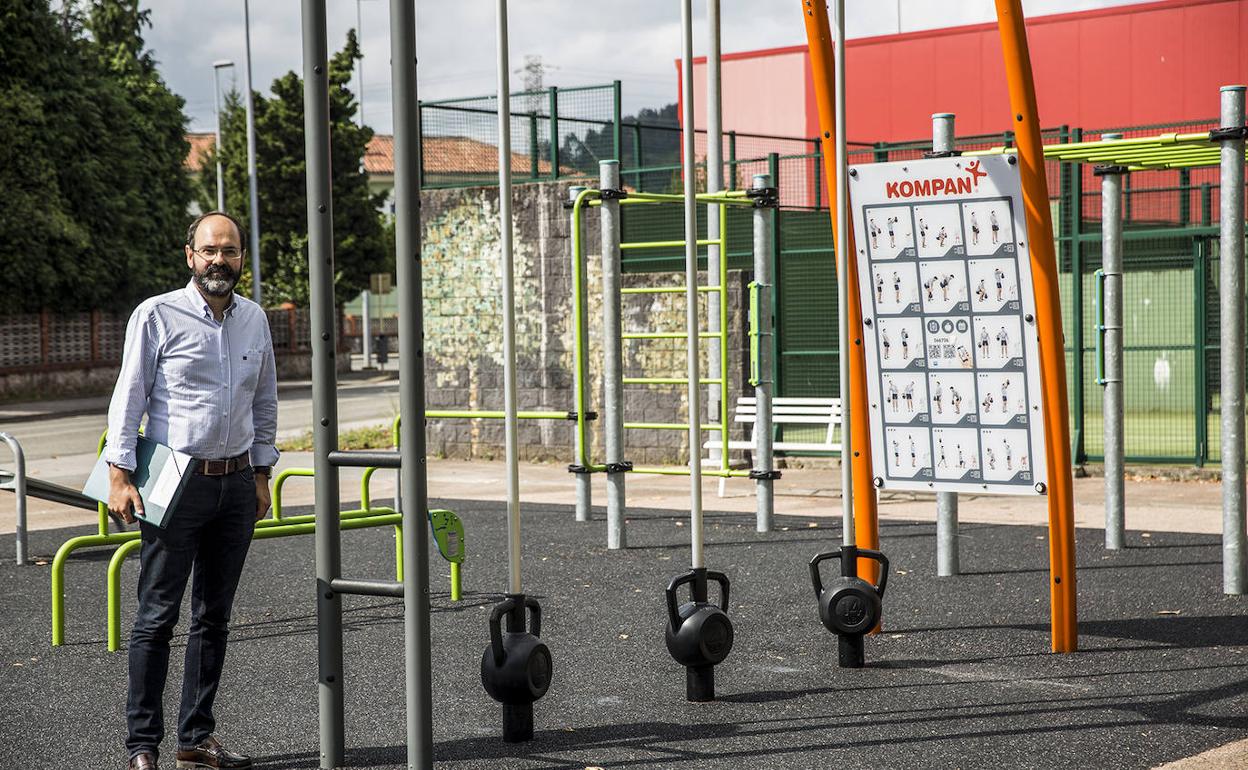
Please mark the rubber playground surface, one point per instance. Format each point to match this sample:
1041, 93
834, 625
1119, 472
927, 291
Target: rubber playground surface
960, 677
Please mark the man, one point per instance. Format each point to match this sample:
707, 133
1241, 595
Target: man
199, 362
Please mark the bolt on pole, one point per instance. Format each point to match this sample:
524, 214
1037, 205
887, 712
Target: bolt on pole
1234, 576
1112, 404
946, 502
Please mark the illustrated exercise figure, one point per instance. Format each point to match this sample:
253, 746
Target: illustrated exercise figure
1005, 397
886, 342
1009, 456
942, 236
913, 457
892, 240
879, 288
944, 286
981, 292
905, 343
927, 286
922, 233
908, 395
987, 403
999, 277
961, 457
974, 230
992, 459
1004, 339
896, 455
955, 399
875, 233
941, 462
892, 395
983, 342
896, 287
992, 221
937, 393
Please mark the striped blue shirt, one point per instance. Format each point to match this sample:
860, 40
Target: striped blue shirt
208, 387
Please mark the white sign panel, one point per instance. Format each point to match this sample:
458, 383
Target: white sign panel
953, 362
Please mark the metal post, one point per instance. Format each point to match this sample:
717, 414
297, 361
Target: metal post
252, 181
1077, 374
1231, 259
714, 183
554, 132
510, 424
691, 287
1111, 266
359, 65
764, 492
366, 343
217, 66
841, 180
613, 354
19, 492
617, 113
324, 381
584, 480
414, 489
946, 502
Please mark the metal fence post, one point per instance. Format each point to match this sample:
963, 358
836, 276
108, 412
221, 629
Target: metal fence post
366, 331
19, 492
1112, 406
816, 160
1078, 375
1231, 262
946, 502
1200, 322
763, 465
613, 354
554, 132
617, 114
637, 156
777, 243
324, 380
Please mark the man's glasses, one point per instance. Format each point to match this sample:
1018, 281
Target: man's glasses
229, 253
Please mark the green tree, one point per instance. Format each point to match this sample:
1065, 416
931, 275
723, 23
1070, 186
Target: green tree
359, 230
91, 151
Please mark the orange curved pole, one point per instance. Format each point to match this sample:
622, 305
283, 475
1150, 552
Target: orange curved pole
858, 436
1048, 324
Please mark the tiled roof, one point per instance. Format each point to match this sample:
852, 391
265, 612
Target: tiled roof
443, 155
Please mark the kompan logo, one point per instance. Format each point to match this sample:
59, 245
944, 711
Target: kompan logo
926, 188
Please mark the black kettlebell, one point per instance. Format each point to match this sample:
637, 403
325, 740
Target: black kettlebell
848, 605
699, 633
516, 667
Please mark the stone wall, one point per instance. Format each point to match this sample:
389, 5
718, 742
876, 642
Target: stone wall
463, 329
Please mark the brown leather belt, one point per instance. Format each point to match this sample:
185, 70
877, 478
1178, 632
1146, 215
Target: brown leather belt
223, 467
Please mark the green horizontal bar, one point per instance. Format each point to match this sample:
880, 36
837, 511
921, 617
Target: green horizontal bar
666, 426
677, 471
665, 335
665, 244
438, 414
668, 381
666, 289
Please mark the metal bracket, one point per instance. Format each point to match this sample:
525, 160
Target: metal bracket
589, 415
1109, 170
579, 469
942, 154
764, 475
613, 195
623, 467
1228, 134
764, 197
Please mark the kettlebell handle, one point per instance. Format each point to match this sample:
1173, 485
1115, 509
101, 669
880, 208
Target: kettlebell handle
504, 607
816, 579
692, 576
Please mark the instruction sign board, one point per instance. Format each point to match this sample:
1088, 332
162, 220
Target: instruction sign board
953, 365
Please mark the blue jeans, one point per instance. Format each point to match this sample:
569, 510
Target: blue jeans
208, 534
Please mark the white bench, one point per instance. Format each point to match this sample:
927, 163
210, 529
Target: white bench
825, 412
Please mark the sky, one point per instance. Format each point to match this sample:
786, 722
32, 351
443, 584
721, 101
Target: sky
580, 42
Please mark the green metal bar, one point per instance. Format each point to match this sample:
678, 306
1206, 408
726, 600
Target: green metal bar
1200, 320
668, 426
668, 381
580, 335
678, 471
723, 337
554, 132
662, 244
280, 481
101, 509
753, 334
454, 414
617, 113
1078, 440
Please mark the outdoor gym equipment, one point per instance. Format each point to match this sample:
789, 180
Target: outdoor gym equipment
848, 605
516, 667
699, 634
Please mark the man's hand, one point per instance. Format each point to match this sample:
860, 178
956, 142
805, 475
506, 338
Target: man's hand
263, 497
123, 498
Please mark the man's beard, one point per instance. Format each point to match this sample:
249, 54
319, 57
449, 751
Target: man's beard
217, 280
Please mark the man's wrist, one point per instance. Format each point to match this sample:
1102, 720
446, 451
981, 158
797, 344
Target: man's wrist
263, 470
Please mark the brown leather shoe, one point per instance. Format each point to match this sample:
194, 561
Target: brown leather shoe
144, 760
211, 754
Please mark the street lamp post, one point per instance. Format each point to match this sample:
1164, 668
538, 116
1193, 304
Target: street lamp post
251, 162
217, 66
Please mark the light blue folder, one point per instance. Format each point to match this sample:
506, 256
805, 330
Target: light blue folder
160, 474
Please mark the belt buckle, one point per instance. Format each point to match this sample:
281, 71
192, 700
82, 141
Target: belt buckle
215, 467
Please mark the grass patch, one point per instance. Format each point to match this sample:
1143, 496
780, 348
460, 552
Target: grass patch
371, 437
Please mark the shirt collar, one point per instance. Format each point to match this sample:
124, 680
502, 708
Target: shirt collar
196, 299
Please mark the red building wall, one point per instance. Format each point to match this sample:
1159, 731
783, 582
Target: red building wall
1157, 62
